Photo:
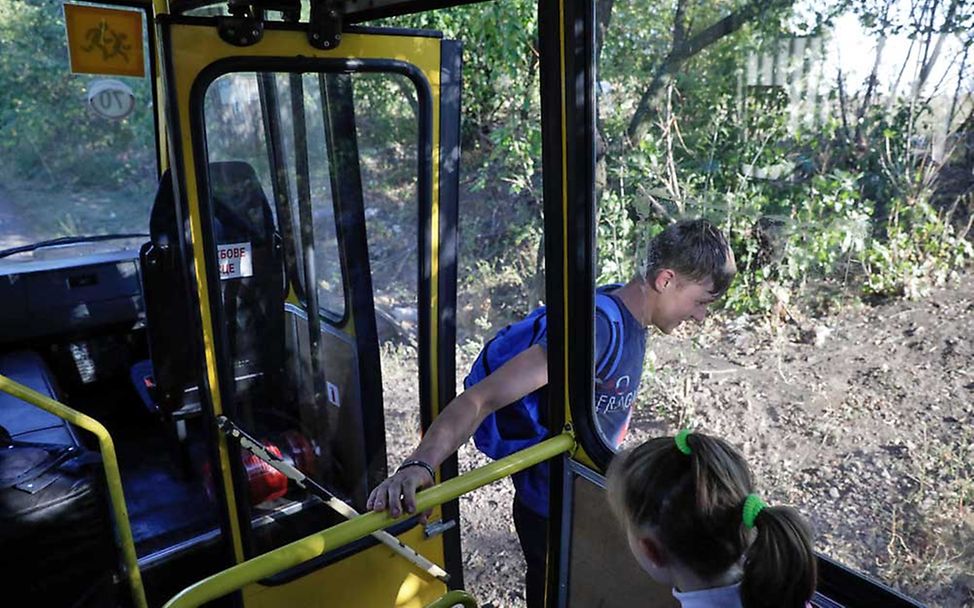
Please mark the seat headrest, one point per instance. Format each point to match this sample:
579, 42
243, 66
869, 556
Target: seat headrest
162, 218
240, 207
239, 204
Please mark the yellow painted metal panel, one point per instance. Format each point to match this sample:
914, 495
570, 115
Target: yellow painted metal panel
160, 7
104, 40
356, 581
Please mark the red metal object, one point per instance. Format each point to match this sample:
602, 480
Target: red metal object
266, 483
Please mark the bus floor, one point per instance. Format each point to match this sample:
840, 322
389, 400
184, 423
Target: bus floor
162, 478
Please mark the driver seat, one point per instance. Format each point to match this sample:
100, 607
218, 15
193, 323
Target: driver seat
252, 293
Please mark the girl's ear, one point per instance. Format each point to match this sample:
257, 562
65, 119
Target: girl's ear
664, 278
651, 551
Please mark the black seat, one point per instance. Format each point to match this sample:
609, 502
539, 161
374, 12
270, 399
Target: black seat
24, 421
174, 361
253, 305
55, 526
253, 293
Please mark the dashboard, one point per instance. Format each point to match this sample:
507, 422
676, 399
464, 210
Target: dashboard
50, 297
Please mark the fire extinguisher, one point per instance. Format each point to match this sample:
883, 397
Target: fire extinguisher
265, 483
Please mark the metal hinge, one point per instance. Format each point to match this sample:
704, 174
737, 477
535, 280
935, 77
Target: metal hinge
244, 26
325, 25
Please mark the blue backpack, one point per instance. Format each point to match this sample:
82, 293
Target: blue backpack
522, 423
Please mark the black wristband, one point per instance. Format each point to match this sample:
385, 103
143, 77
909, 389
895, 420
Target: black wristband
418, 463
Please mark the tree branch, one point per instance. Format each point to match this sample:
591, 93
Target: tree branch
603, 16
873, 79
683, 50
679, 24
930, 56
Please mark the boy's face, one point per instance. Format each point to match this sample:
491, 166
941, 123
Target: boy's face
680, 299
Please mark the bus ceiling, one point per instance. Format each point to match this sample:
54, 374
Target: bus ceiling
353, 11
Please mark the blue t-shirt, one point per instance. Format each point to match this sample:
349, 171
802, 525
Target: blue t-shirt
620, 347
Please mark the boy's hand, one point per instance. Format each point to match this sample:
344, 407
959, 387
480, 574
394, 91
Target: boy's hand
398, 493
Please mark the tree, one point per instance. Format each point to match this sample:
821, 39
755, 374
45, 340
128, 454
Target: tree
685, 45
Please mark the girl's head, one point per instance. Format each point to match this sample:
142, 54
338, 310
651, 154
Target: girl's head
682, 503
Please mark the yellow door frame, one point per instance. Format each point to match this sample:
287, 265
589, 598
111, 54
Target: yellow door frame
190, 47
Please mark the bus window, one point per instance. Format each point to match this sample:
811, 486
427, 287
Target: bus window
827, 153
332, 171
236, 96
65, 170
386, 126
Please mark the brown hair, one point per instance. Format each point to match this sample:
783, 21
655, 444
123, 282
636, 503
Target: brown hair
694, 505
696, 249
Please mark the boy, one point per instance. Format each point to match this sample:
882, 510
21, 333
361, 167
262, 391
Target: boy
687, 267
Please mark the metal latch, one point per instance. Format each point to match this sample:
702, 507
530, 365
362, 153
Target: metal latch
438, 527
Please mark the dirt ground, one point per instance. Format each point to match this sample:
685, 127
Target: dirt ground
13, 232
863, 419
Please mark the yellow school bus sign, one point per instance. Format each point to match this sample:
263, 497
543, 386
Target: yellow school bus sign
104, 41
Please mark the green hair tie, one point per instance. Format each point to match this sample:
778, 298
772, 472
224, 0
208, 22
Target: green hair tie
681, 441
752, 506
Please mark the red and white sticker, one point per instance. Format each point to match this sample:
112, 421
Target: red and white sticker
236, 260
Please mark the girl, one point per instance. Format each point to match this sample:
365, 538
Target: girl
694, 524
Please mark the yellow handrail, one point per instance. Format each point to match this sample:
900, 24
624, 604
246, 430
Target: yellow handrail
454, 598
290, 555
110, 463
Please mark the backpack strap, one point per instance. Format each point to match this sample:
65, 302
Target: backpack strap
608, 308
539, 327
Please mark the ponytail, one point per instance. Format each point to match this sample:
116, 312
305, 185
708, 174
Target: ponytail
694, 492
779, 566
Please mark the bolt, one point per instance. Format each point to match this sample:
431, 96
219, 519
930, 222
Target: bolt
315, 36
255, 33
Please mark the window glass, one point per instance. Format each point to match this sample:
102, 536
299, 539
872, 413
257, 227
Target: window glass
263, 173
827, 141
291, 165
65, 170
386, 110
231, 135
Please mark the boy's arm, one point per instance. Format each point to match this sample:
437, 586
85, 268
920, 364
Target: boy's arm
523, 374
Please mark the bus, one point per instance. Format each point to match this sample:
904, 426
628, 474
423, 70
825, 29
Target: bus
192, 381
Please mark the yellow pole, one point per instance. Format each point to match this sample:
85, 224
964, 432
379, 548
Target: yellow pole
337, 536
455, 598
109, 461
160, 7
